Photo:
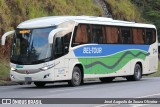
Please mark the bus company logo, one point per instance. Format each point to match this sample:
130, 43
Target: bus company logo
6, 101
27, 72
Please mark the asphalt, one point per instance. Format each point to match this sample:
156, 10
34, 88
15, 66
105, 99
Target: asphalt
119, 88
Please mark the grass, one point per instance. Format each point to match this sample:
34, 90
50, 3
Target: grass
3, 82
124, 10
4, 70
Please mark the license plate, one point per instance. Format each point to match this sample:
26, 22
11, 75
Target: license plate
28, 79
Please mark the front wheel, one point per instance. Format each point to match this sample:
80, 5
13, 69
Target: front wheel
76, 77
137, 74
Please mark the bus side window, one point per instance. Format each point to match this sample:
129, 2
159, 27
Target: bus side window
111, 34
67, 38
150, 36
97, 34
138, 35
58, 45
62, 45
126, 35
80, 35
153, 35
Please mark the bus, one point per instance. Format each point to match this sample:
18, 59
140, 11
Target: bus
74, 48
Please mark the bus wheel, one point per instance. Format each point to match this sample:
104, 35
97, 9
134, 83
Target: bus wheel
107, 79
137, 74
76, 77
40, 84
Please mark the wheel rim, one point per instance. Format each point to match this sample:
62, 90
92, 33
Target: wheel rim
76, 77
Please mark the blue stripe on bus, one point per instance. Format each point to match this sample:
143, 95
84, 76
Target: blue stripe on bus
104, 50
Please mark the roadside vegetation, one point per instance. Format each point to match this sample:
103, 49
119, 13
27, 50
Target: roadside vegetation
4, 71
124, 10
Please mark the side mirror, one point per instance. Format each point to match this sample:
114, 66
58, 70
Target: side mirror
52, 33
3, 40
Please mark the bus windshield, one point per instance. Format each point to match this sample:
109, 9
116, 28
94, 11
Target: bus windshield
31, 46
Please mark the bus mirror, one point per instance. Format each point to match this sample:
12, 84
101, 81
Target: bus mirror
5, 35
52, 33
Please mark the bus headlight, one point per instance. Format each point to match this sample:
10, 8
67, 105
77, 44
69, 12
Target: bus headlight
44, 68
13, 69
49, 66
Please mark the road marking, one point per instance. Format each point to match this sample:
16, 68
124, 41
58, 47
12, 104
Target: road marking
149, 95
70, 89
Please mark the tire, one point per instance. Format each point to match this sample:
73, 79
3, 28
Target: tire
137, 74
76, 77
107, 79
40, 84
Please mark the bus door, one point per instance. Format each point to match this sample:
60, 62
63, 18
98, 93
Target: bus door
61, 49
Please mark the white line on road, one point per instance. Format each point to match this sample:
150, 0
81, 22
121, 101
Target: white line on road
70, 89
149, 95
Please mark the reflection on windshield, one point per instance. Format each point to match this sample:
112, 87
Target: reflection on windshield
31, 47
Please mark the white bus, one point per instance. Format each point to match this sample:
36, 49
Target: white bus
73, 48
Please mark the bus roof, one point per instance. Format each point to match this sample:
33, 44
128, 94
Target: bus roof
55, 20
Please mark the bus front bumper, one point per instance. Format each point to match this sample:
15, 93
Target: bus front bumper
26, 77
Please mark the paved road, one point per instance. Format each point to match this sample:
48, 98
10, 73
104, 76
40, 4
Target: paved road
120, 88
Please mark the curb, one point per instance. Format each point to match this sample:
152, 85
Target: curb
8, 83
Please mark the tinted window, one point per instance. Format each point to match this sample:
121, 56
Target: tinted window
101, 34
125, 37
111, 34
150, 36
62, 44
81, 35
138, 35
97, 34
